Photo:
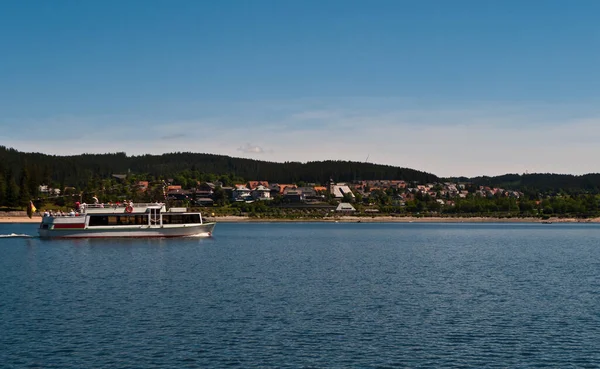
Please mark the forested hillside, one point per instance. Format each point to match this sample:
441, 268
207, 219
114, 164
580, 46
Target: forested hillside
23, 172
545, 183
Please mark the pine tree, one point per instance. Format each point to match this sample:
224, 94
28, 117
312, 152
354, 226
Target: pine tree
12, 191
2, 190
24, 185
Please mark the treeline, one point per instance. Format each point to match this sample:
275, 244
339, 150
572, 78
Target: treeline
540, 184
583, 206
21, 173
579, 206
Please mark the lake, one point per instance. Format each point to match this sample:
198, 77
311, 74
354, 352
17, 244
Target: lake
305, 295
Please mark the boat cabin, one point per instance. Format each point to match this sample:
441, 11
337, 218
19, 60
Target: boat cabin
138, 214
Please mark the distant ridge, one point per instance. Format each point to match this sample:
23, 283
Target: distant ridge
543, 182
77, 169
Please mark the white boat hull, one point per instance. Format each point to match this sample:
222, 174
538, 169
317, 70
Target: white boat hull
142, 231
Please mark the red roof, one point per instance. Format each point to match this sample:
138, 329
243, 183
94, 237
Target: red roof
282, 187
253, 184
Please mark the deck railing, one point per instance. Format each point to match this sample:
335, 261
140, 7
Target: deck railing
122, 205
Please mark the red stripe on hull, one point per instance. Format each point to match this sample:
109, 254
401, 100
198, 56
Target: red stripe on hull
69, 226
64, 237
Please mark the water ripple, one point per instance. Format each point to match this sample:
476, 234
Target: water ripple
306, 296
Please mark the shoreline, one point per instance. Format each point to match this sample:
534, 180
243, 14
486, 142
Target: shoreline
392, 219
352, 219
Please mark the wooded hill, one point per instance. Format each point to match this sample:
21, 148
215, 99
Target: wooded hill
544, 183
78, 170
21, 173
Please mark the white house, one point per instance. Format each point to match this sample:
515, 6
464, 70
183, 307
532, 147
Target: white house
345, 207
339, 190
261, 192
241, 193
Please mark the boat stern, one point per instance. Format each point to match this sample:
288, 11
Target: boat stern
52, 226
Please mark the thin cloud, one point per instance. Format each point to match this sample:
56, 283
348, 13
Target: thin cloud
448, 140
251, 149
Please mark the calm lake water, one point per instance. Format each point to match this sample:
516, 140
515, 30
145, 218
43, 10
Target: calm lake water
306, 296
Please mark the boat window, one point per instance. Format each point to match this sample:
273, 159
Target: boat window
181, 218
103, 220
98, 220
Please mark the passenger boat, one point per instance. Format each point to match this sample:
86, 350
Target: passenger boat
126, 220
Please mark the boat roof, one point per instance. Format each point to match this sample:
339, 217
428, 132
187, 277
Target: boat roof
136, 208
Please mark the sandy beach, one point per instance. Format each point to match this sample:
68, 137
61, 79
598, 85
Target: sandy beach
19, 218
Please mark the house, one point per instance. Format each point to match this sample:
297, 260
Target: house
49, 190
173, 188
274, 189
320, 189
282, 187
261, 192
178, 194
205, 189
278, 189
514, 194
241, 193
292, 194
142, 186
345, 207
339, 190
308, 192
253, 184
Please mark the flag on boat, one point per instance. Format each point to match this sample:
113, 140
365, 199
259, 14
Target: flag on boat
31, 209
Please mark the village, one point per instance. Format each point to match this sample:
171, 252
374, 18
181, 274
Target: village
227, 196
367, 192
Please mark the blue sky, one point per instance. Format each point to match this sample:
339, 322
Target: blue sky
450, 87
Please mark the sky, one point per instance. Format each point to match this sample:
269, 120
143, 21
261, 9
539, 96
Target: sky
454, 88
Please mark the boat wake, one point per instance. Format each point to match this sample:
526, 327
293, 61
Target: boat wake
15, 235
199, 235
